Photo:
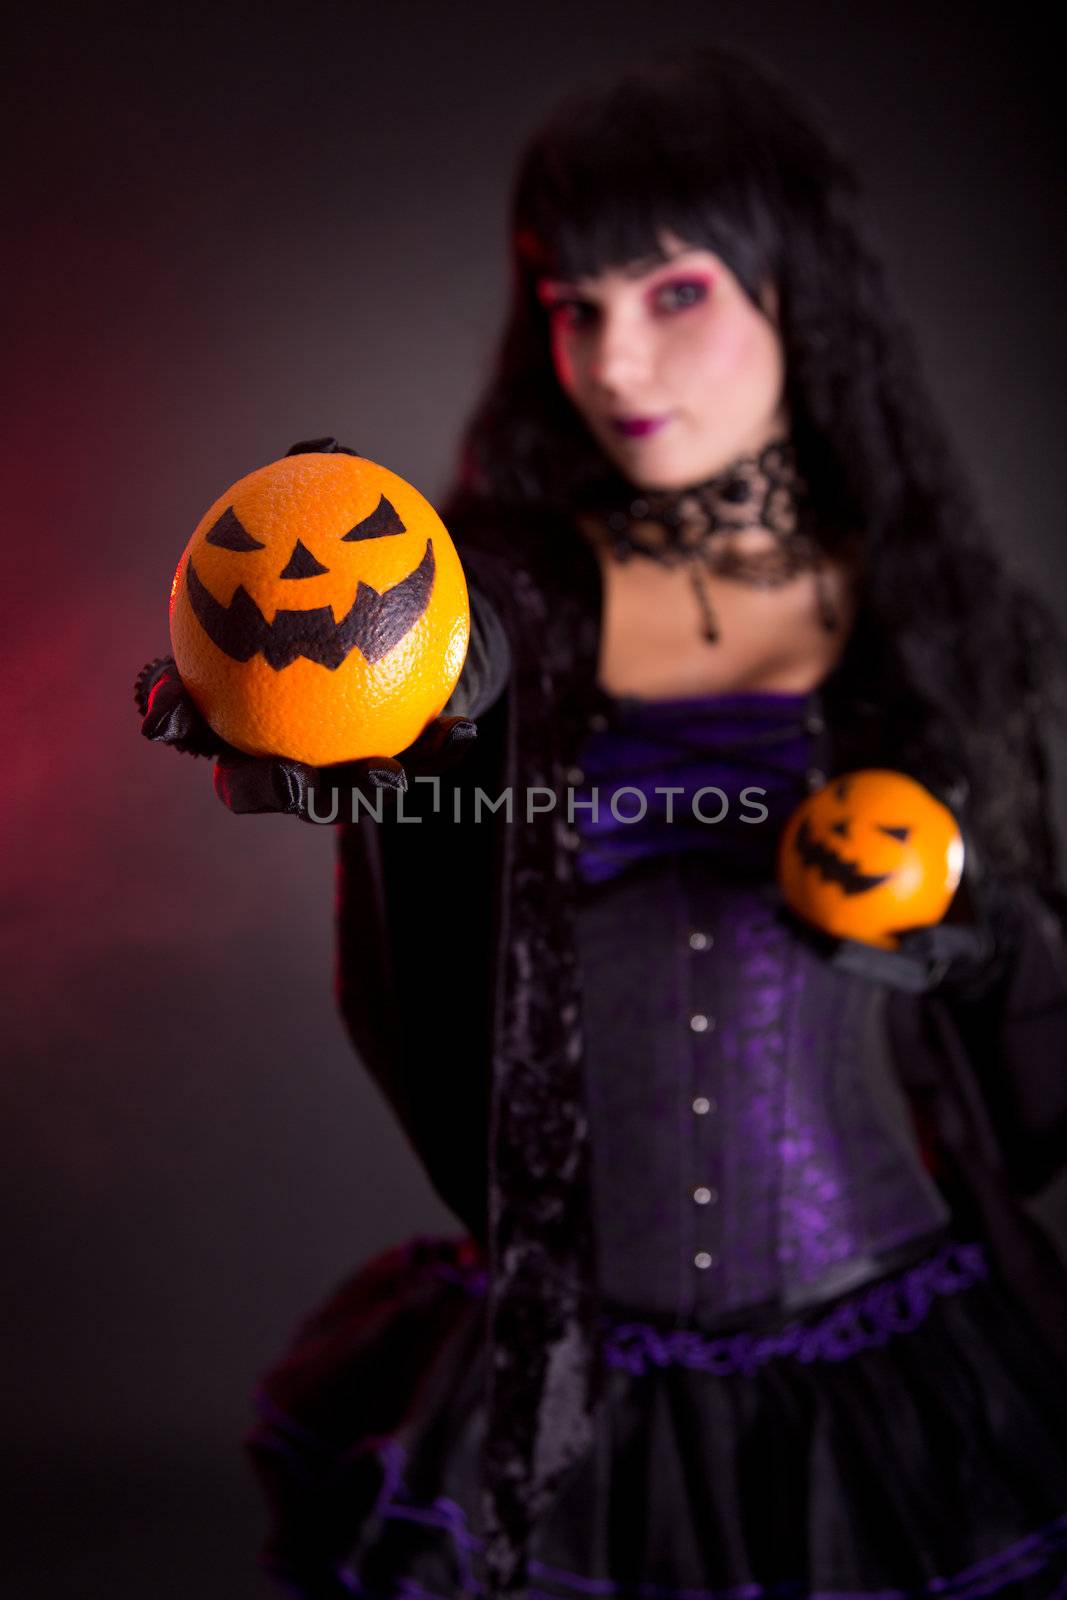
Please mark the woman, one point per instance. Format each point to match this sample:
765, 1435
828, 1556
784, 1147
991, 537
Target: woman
748, 1303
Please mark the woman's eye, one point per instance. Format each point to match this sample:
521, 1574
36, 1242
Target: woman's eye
572, 313
676, 296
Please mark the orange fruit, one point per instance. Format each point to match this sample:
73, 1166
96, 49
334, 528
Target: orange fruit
869, 855
320, 611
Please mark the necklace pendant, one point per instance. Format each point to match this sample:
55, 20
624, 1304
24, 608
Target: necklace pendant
709, 626
827, 614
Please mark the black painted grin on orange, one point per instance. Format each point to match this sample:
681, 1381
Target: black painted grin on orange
832, 867
374, 624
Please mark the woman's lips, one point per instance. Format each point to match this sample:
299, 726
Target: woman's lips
637, 427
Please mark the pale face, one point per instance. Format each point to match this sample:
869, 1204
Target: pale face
673, 369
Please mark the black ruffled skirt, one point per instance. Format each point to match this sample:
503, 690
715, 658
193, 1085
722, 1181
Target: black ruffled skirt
904, 1442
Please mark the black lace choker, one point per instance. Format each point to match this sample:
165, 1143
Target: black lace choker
698, 525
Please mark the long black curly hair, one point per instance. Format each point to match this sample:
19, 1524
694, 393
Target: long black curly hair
953, 668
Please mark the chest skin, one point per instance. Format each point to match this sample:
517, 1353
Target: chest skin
651, 642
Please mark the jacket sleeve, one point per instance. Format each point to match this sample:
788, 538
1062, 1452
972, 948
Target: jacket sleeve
415, 913
1015, 1030
488, 664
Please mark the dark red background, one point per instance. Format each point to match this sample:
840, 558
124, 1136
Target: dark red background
230, 228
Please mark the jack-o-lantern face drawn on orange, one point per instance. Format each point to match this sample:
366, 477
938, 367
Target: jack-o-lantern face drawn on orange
373, 625
870, 855
320, 611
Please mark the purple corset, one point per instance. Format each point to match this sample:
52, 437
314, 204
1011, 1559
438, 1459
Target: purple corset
717, 773
752, 1147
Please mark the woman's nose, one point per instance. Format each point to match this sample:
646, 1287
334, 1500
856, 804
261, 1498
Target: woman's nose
620, 356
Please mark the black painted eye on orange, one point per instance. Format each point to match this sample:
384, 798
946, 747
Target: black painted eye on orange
229, 533
382, 522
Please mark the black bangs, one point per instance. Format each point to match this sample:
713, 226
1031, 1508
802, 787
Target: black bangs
605, 179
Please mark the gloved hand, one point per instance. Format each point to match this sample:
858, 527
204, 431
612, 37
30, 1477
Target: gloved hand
952, 955
249, 784
960, 957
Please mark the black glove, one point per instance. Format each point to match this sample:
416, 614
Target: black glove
962, 957
249, 784
949, 955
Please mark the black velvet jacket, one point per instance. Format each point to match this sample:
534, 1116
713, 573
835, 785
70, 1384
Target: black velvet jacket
457, 978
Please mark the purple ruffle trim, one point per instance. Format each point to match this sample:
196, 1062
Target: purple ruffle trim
863, 1321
